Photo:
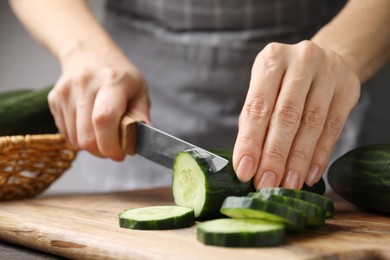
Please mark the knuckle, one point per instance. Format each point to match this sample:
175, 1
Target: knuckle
308, 51
314, 118
247, 140
324, 152
287, 115
270, 55
132, 77
62, 89
81, 78
334, 125
301, 154
275, 153
112, 74
258, 108
102, 118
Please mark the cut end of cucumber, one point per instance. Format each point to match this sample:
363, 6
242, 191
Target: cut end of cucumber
188, 183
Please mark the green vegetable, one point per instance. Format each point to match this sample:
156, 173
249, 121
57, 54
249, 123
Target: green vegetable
157, 218
317, 199
13, 93
240, 233
318, 188
26, 112
196, 186
254, 208
315, 215
362, 177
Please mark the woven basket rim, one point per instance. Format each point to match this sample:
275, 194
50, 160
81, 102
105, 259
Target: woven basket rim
6, 141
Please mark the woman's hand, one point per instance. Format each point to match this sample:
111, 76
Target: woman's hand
97, 86
297, 103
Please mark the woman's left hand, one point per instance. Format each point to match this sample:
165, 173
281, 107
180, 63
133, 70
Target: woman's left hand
298, 101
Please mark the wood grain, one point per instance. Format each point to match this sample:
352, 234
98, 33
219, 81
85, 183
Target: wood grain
86, 227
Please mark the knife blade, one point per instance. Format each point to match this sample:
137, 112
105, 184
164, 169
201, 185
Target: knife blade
158, 146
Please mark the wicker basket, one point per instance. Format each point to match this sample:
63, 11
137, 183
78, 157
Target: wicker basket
30, 163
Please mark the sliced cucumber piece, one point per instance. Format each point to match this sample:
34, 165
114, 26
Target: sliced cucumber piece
157, 218
317, 199
253, 208
241, 233
315, 215
196, 186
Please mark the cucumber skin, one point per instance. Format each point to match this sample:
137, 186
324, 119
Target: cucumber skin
318, 188
184, 221
219, 185
274, 238
319, 200
26, 112
296, 223
13, 93
315, 215
362, 177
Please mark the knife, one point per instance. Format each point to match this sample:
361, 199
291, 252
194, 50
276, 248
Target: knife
157, 146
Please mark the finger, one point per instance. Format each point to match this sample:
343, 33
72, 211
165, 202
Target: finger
60, 102
310, 129
345, 98
267, 73
283, 125
85, 132
139, 106
69, 116
56, 112
109, 106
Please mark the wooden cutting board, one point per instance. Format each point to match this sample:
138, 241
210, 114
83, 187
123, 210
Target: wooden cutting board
86, 227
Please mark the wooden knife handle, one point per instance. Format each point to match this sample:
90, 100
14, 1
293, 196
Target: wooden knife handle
128, 134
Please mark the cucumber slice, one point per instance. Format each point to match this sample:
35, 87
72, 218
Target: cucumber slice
157, 218
315, 215
241, 233
253, 208
317, 199
196, 186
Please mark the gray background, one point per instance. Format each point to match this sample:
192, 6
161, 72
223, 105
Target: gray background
25, 64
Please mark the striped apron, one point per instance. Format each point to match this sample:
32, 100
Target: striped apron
196, 56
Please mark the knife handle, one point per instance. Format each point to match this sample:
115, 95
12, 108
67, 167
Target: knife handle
128, 134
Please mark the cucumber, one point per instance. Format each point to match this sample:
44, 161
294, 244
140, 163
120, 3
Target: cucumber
254, 208
318, 188
317, 199
26, 113
315, 215
196, 186
157, 218
362, 177
241, 233
13, 93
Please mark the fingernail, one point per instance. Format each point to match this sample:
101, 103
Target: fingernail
245, 170
267, 180
292, 180
314, 174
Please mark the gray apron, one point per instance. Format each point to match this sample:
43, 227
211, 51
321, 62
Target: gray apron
196, 56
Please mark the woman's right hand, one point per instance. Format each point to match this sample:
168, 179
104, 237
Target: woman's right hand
96, 88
